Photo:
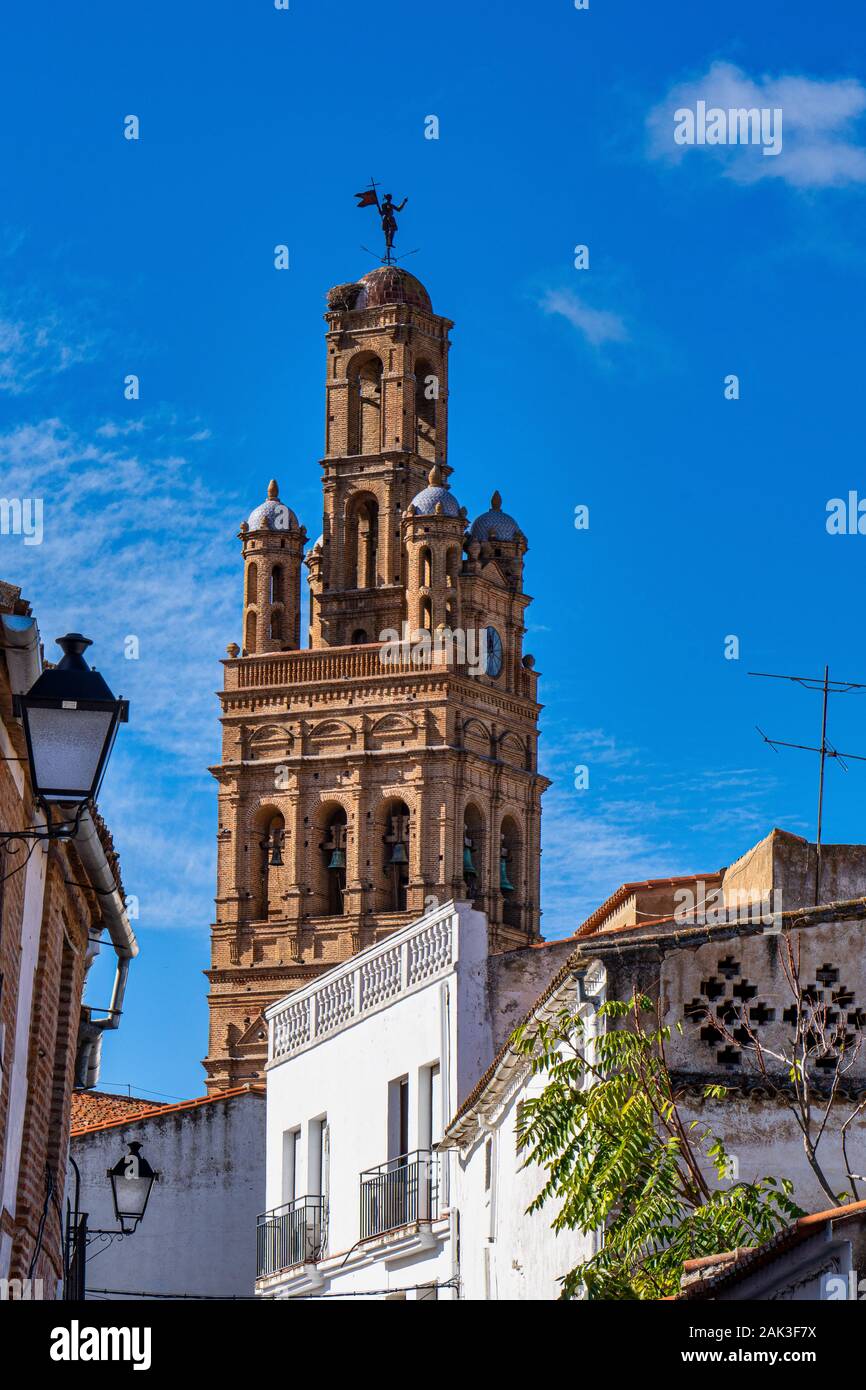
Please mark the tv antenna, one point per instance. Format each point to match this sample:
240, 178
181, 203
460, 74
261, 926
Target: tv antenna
825, 749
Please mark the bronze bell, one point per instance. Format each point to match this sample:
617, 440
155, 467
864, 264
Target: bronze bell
398, 854
469, 869
504, 883
272, 847
338, 859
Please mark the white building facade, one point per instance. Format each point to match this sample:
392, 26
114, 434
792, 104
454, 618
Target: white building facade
508, 1252
197, 1236
366, 1065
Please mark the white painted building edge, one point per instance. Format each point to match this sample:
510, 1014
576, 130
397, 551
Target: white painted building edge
410, 1011
476, 1245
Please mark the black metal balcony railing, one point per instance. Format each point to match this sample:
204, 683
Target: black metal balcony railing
292, 1234
400, 1192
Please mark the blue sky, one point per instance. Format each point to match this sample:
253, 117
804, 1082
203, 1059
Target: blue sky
602, 387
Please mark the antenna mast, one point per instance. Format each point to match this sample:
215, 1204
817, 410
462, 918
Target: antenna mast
825, 750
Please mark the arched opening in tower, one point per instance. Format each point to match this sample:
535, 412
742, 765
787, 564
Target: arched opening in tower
270, 843
511, 872
333, 862
473, 854
426, 393
362, 541
394, 881
425, 567
365, 405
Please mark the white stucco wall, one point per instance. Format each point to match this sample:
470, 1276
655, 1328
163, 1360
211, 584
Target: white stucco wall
198, 1236
345, 1077
505, 1253
763, 1139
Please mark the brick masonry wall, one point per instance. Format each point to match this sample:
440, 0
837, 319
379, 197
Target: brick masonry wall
31, 1221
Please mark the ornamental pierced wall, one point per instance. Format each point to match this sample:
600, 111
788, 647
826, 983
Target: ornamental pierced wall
369, 775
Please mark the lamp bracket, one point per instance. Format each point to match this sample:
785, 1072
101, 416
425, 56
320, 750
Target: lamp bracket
55, 830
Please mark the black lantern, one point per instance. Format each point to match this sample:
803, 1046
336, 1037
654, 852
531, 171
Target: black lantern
131, 1180
70, 722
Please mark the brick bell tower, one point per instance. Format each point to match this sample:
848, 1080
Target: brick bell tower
393, 761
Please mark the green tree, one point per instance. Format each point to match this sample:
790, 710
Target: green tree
621, 1161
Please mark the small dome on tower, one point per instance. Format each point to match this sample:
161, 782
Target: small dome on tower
387, 284
436, 492
273, 515
495, 525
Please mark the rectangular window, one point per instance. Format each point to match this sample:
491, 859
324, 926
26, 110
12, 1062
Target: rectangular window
318, 1157
291, 1170
398, 1117
429, 1106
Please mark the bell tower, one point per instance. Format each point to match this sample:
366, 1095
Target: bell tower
392, 761
386, 425
273, 544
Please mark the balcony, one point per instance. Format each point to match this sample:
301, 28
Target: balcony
407, 961
398, 1193
293, 1234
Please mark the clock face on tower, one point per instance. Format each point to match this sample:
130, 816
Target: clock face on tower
494, 653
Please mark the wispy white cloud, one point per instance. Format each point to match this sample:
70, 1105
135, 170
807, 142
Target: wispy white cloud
662, 820
30, 351
145, 549
823, 139
596, 326
596, 746
138, 544
114, 429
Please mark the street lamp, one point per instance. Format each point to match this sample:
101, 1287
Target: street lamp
131, 1180
70, 720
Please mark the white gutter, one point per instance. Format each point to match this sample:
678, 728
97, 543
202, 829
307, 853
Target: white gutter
89, 848
116, 919
23, 659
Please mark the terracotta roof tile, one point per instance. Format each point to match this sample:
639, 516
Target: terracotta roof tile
627, 890
739, 1264
88, 1123
91, 1108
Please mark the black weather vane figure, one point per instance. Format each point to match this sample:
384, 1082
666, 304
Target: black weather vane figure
387, 209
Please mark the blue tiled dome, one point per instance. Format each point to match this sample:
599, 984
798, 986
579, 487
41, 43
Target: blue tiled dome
437, 491
495, 525
273, 515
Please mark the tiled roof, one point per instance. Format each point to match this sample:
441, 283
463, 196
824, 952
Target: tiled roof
92, 1108
87, 1124
736, 1266
626, 890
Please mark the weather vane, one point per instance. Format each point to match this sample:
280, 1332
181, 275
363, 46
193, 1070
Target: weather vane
386, 209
